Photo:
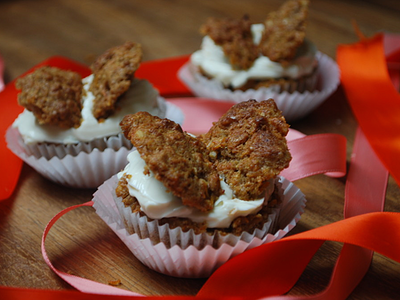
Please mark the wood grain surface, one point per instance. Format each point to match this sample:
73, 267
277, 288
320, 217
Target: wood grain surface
80, 243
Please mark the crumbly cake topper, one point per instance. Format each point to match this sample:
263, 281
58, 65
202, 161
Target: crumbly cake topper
235, 38
53, 96
246, 147
176, 158
284, 33
113, 73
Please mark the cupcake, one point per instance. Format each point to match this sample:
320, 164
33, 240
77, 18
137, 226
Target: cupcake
241, 60
196, 195
69, 130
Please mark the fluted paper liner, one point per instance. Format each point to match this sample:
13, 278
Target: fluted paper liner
294, 105
82, 165
192, 261
134, 223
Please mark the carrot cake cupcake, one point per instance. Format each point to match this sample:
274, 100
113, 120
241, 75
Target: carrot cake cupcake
67, 116
241, 60
216, 190
244, 55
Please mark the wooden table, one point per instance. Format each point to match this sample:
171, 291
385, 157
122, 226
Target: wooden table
80, 243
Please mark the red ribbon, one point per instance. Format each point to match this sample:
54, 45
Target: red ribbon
163, 74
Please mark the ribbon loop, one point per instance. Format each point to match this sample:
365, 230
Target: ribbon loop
82, 284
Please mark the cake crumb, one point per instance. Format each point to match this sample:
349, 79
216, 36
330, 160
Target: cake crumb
114, 282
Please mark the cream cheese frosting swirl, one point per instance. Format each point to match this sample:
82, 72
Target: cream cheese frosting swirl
212, 61
156, 202
141, 96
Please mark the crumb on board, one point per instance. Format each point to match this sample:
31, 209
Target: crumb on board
116, 282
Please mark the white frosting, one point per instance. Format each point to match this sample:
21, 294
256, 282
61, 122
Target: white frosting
213, 62
156, 202
140, 97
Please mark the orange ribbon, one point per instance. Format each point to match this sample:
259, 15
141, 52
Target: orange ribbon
373, 98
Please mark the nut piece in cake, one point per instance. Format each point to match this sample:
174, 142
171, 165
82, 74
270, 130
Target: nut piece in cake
285, 31
113, 73
248, 146
178, 160
53, 96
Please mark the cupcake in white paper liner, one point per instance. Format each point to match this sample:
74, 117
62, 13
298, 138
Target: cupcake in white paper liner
70, 128
192, 261
206, 198
134, 223
81, 165
294, 105
240, 59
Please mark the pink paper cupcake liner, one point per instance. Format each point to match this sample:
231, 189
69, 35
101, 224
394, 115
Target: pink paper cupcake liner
134, 223
189, 260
